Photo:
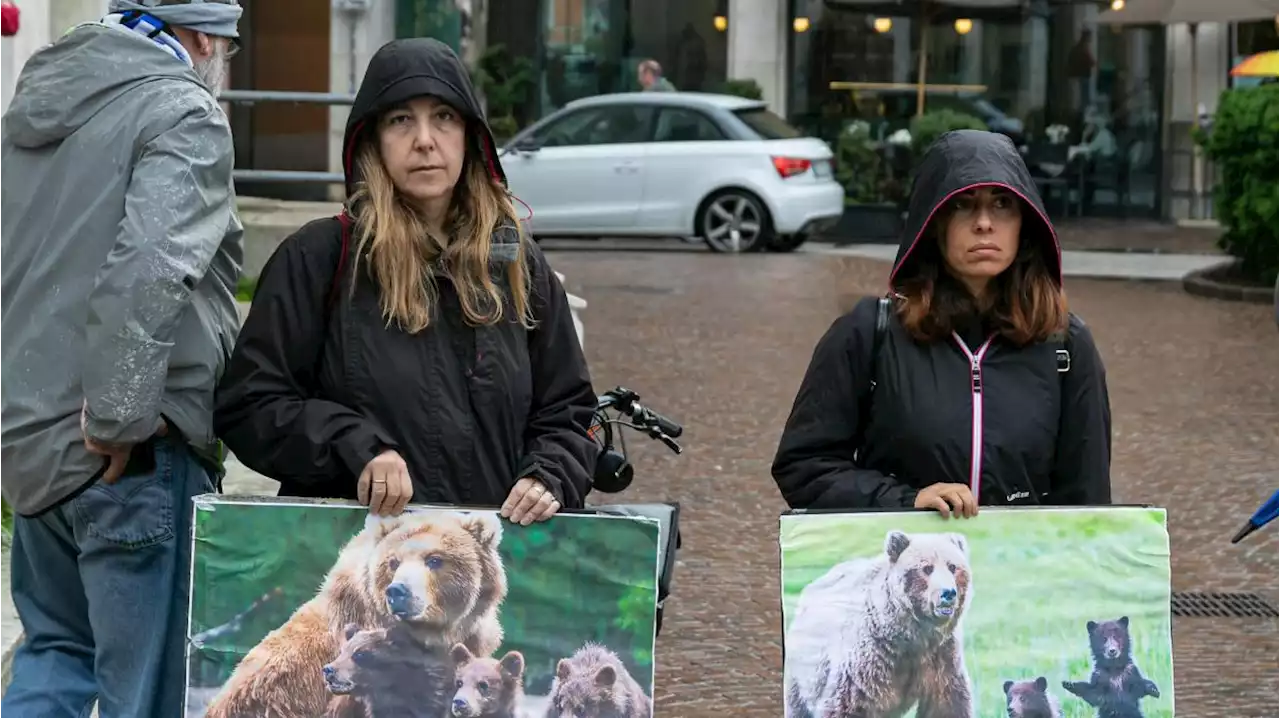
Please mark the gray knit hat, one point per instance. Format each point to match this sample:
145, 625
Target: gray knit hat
212, 17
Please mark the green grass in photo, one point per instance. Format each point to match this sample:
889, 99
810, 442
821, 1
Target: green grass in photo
1037, 578
569, 580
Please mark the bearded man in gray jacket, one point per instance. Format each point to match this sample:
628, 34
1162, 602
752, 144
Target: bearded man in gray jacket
121, 251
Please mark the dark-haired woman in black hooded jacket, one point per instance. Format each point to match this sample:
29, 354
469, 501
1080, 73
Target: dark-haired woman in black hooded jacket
987, 391
417, 347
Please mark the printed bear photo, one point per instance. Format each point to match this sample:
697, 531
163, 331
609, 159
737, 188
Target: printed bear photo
1014, 613
1116, 687
593, 683
1031, 699
486, 687
316, 609
878, 636
440, 575
386, 672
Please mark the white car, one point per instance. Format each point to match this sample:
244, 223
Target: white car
674, 164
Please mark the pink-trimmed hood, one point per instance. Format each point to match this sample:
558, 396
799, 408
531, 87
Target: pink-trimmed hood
966, 159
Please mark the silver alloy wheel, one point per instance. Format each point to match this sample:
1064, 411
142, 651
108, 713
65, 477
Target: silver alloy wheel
732, 223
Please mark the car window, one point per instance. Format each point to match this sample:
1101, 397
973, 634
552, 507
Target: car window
615, 124
677, 124
766, 124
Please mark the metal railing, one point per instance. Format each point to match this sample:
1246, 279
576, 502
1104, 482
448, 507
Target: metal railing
253, 97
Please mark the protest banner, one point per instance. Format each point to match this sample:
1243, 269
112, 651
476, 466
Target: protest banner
313, 608
1015, 612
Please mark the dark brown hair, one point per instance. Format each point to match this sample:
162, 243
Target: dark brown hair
1029, 304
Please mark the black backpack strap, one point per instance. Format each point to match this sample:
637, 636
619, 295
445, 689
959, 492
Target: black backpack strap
883, 307
882, 326
1061, 340
345, 220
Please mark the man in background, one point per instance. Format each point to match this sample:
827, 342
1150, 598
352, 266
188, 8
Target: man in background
649, 73
121, 251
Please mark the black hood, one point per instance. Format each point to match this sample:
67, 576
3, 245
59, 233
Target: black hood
966, 159
413, 67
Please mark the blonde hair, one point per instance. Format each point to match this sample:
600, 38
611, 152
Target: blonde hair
404, 255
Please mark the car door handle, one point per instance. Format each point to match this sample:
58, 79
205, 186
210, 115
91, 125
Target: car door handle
626, 168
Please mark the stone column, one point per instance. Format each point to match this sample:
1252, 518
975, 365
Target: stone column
350, 47
758, 33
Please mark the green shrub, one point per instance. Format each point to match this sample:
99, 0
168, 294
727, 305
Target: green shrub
1246, 196
6, 519
245, 289
747, 88
507, 82
933, 124
858, 165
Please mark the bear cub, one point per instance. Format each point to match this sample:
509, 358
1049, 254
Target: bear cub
388, 673
1116, 686
1031, 699
487, 687
593, 683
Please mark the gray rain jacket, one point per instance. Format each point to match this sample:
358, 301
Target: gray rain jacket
121, 251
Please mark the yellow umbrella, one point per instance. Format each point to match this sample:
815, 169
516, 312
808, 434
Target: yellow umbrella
1263, 64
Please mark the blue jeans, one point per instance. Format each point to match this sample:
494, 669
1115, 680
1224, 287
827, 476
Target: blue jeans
101, 585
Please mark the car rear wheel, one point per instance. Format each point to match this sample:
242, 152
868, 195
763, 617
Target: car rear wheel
734, 221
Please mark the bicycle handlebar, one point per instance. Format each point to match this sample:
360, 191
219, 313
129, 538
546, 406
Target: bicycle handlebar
613, 471
624, 401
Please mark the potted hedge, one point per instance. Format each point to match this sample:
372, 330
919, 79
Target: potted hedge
746, 87
1246, 195
506, 82
865, 168
876, 173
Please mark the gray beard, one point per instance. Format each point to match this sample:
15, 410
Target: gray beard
213, 71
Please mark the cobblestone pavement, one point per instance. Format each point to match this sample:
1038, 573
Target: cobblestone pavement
720, 343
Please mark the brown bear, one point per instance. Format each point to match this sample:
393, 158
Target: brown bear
593, 683
439, 573
1031, 699
388, 673
486, 687
1116, 686
873, 637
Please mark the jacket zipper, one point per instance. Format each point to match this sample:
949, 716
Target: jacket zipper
975, 384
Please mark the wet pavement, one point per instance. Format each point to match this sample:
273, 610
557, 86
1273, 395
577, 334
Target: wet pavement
720, 343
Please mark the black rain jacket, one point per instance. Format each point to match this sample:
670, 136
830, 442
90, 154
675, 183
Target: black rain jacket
1021, 434
319, 384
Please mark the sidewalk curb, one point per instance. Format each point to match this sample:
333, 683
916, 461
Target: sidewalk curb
6, 664
1205, 283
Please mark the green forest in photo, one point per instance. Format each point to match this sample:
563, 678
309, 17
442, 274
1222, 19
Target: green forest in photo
1037, 578
570, 580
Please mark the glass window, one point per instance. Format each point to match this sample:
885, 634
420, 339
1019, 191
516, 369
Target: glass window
767, 125
990, 65
610, 125
677, 124
1058, 85
1107, 113
593, 47
440, 19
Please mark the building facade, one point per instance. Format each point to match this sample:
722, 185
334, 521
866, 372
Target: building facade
1125, 92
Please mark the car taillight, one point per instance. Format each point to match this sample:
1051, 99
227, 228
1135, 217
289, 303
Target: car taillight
790, 166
